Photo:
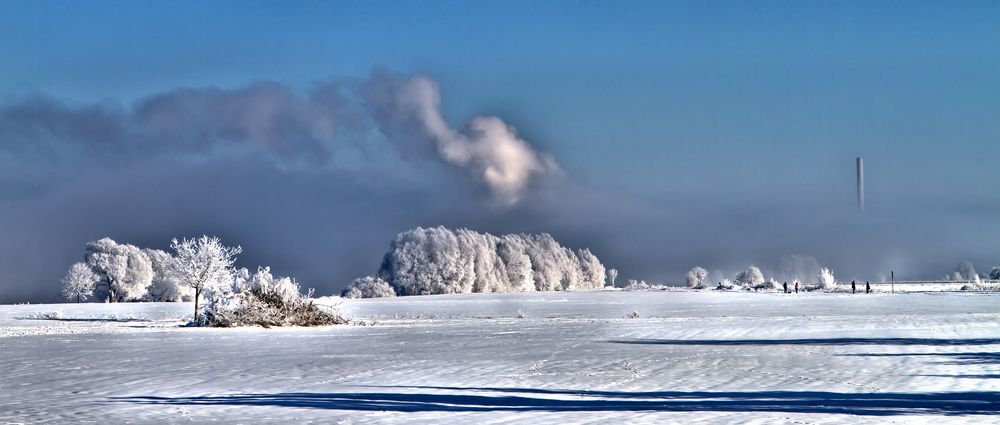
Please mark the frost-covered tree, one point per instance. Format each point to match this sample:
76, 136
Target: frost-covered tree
995, 273
752, 276
516, 270
966, 272
109, 261
79, 282
591, 270
438, 260
696, 277
124, 269
165, 286
612, 275
203, 263
825, 278
368, 287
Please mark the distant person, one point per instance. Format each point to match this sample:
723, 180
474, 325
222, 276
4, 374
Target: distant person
868, 287
796, 287
854, 288
786, 287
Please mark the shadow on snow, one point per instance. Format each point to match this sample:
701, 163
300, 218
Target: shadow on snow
971, 358
473, 400
816, 341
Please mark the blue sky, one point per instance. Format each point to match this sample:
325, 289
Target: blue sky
703, 105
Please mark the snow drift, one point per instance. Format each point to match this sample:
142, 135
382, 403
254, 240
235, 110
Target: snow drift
437, 260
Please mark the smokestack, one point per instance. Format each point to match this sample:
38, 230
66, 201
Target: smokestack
861, 184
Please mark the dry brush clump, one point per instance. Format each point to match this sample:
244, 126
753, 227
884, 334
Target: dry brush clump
262, 300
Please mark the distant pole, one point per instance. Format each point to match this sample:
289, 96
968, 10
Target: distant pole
861, 184
892, 280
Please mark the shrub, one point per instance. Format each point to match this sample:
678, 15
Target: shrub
368, 287
265, 301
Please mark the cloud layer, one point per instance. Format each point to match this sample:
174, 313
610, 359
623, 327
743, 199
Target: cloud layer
347, 160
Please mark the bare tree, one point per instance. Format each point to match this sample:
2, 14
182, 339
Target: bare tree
612, 275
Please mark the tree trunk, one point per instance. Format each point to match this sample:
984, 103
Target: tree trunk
77, 298
197, 294
111, 292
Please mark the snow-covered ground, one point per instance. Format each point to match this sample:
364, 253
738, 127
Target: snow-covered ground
687, 357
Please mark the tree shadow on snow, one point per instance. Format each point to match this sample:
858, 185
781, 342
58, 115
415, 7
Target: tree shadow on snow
977, 358
474, 400
986, 376
815, 341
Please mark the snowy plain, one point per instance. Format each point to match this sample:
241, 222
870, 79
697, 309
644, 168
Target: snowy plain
554, 357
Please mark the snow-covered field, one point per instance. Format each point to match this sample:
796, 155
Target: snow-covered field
688, 357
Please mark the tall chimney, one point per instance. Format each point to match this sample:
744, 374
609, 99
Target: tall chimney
861, 184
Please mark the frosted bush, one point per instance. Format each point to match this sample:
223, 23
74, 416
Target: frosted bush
368, 287
44, 315
767, 285
635, 285
264, 301
726, 284
642, 285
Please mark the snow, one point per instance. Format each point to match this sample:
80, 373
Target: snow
558, 357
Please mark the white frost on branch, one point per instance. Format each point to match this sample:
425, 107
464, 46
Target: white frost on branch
165, 286
79, 282
124, 269
203, 263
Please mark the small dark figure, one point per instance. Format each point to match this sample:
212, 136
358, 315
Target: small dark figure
868, 287
796, 287
854, 288
786, 287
